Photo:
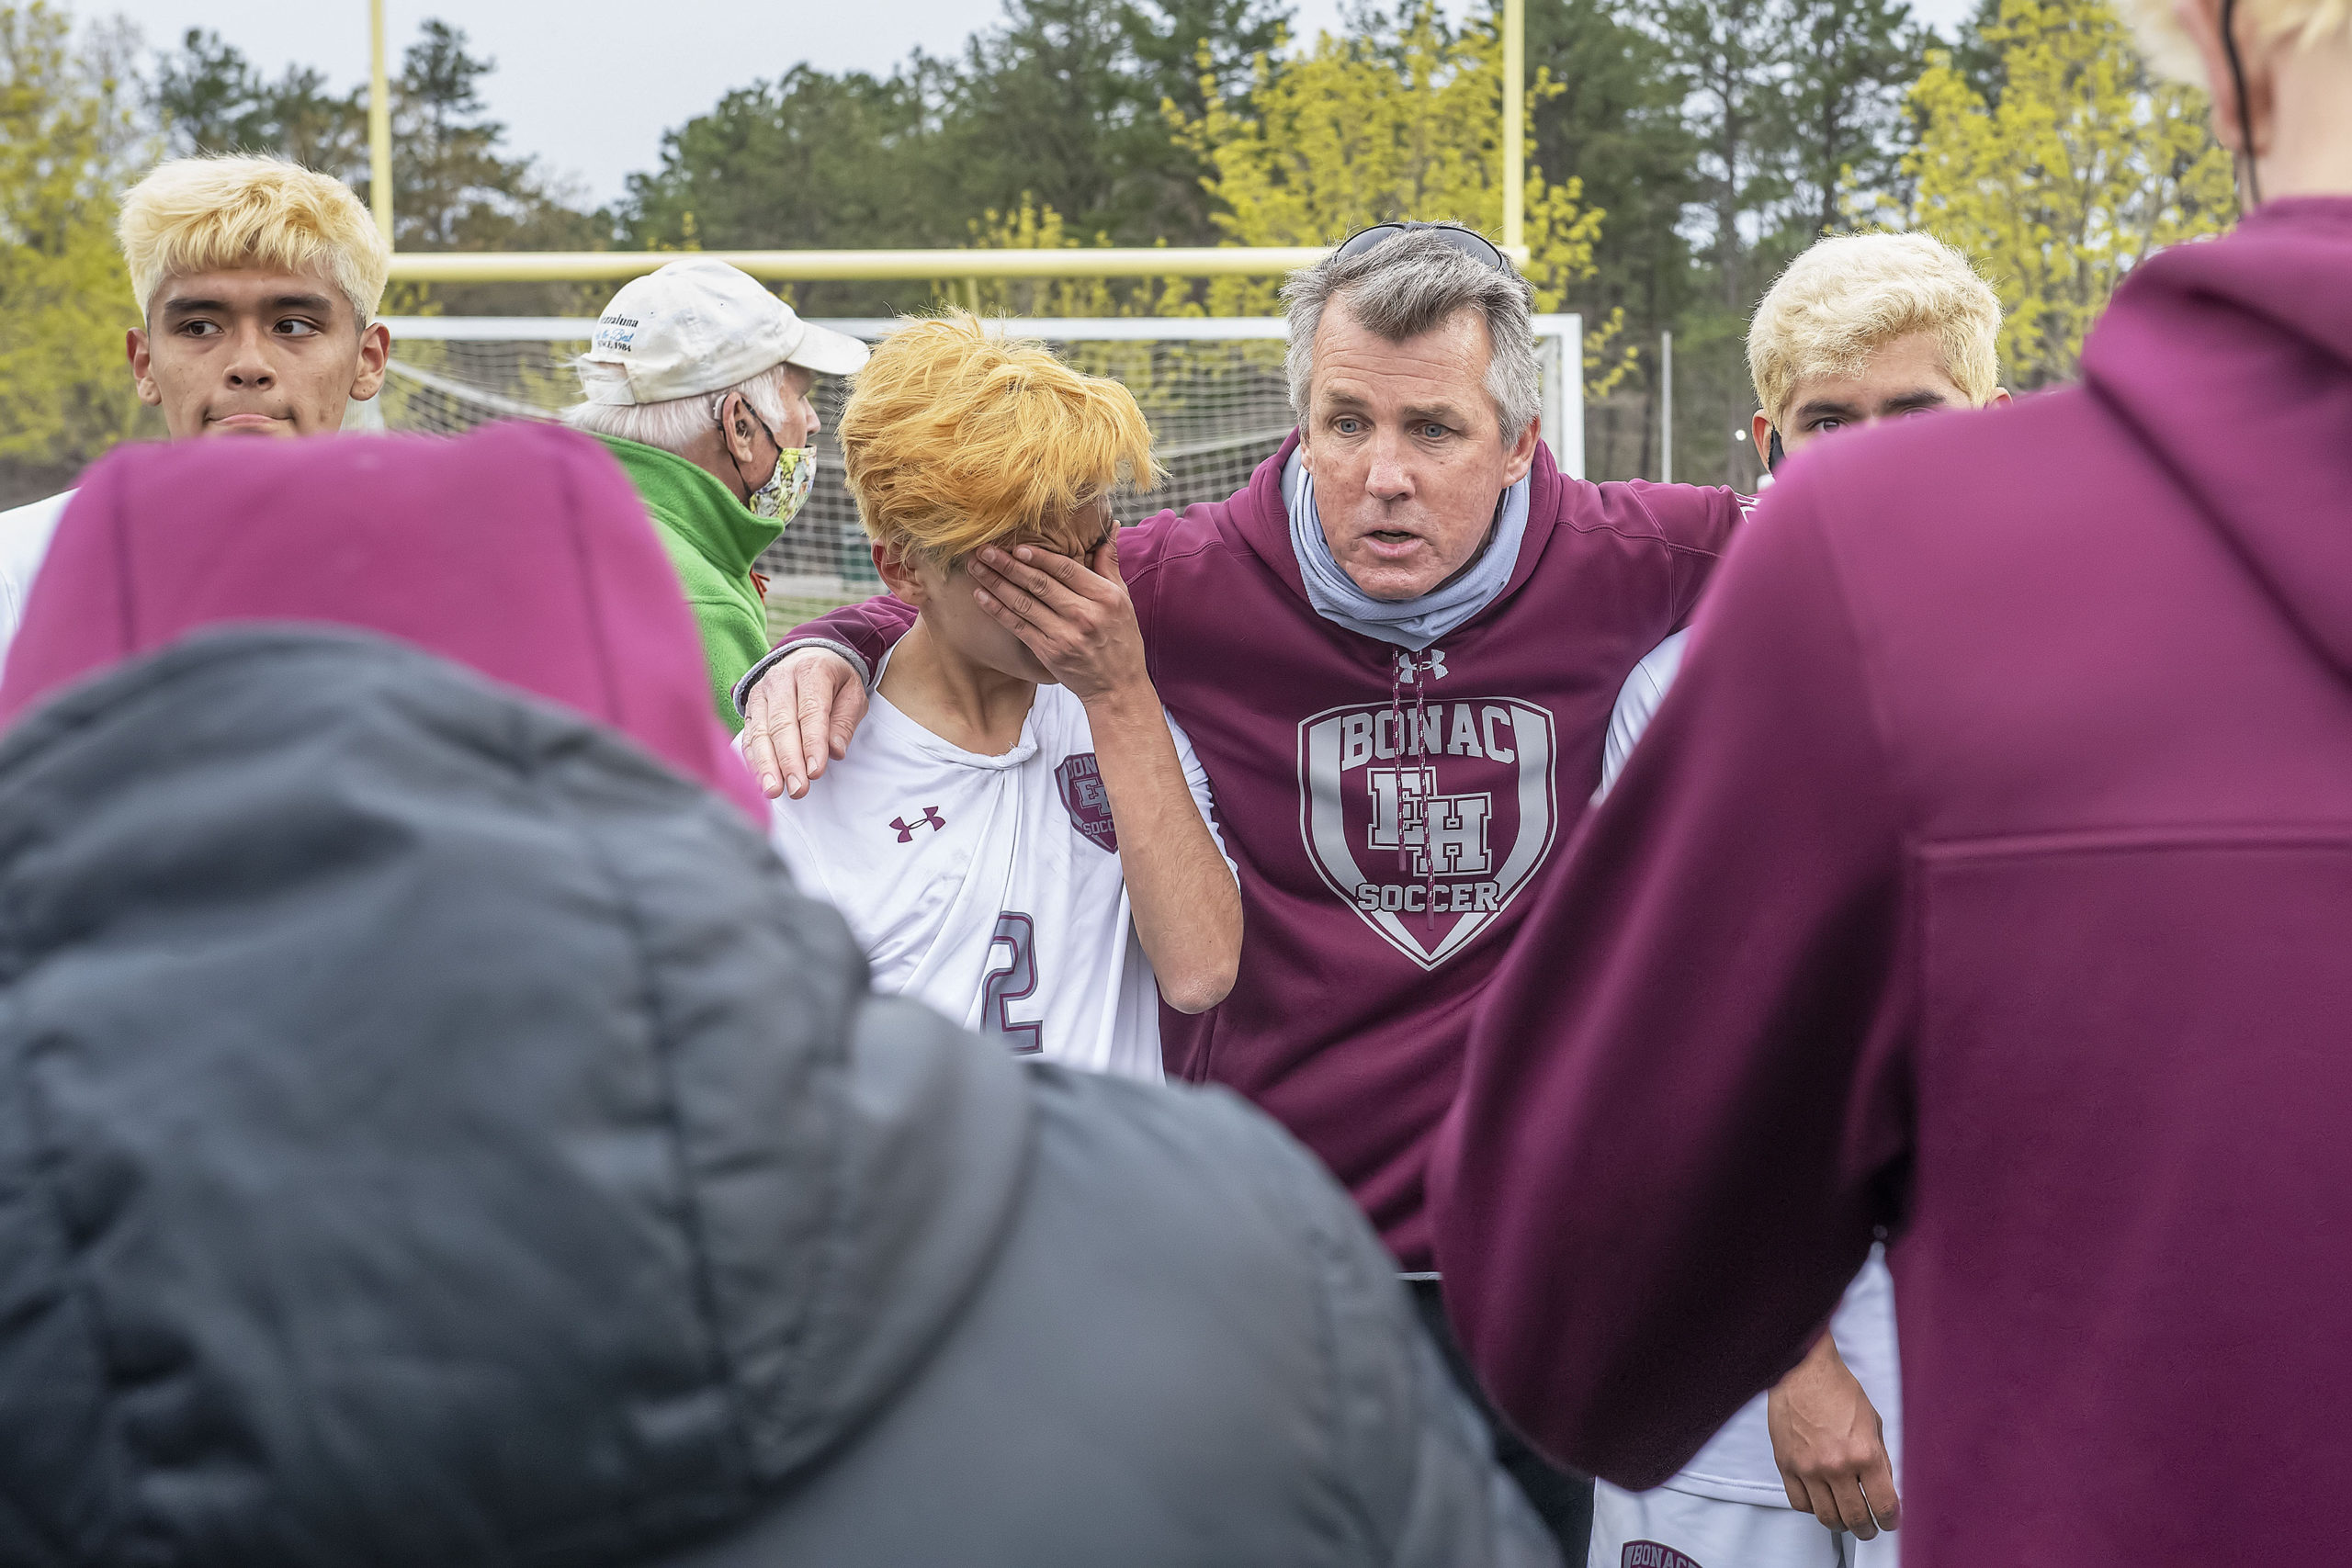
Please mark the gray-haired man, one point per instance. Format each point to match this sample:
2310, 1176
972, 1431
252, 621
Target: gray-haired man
1396, 651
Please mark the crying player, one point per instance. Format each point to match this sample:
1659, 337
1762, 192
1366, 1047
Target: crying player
1019, 835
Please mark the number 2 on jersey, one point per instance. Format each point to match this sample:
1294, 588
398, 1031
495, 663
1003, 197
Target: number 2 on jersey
1011, 979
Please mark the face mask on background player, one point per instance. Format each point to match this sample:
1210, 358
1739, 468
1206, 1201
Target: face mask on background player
787, 489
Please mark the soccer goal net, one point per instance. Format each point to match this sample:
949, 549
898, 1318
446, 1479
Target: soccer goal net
1213, 389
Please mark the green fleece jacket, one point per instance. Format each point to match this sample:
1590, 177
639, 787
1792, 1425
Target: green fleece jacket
712, 540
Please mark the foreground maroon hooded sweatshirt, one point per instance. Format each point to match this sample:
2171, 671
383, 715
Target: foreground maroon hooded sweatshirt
1986, 876
1348, 1019
522, 551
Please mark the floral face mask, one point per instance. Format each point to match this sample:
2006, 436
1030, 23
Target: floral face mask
787, 489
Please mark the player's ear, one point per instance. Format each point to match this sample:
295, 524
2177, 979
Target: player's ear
894, 566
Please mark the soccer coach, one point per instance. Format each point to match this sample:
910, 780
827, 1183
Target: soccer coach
1396, 651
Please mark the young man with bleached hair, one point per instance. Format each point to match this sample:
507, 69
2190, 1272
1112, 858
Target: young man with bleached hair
257, 282
698, 380
1021, 836
1861, 328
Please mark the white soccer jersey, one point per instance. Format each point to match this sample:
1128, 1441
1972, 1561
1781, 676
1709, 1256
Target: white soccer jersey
989, 888
25, 532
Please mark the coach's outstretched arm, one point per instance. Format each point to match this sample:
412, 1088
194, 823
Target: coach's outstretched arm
1686, 1103
803, 701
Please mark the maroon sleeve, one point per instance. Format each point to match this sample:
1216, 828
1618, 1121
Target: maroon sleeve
1684, 1109
866, 629
1698, 522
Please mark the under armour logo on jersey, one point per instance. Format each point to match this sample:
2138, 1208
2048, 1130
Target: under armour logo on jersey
1435, 664
930, 818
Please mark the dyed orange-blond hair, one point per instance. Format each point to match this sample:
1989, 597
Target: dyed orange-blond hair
955, 437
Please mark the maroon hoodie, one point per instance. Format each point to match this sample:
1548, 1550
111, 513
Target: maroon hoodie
1348, 1019
1986, 876
521, 550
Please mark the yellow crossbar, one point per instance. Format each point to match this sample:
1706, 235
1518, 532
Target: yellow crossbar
582, 266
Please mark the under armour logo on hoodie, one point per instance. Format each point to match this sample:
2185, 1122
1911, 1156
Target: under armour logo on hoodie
1435, 664
930, 818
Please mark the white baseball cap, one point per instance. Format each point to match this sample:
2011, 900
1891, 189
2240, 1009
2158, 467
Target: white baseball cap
699, 325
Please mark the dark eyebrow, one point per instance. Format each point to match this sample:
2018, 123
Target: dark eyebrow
1442, 414
1912, 403
1827, 407
319, 304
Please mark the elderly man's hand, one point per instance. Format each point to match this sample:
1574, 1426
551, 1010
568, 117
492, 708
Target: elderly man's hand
1074, 615
1831, 1446
799, 715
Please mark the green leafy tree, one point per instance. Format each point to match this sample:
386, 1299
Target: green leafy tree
1186, 51
1055, 111
1060, 105
1975, 57
1403, 120
69, 138
1050, 104
810, 161
1192, 50
2085, 166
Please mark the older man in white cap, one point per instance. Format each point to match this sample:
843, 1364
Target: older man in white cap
699, 381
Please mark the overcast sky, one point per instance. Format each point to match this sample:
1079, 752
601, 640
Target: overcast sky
589, 85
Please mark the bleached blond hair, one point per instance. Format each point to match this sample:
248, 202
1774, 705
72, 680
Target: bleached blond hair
195, 215
2164, 42
1849, 296
955, 437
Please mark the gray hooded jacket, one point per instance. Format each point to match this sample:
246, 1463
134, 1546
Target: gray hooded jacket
433, 1135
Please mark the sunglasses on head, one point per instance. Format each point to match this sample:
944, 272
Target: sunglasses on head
1453, 236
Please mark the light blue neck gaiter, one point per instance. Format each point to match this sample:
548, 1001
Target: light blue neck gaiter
1408, 623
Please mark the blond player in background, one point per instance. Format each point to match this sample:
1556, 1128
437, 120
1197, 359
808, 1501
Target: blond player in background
257, 283
1861, 329
1020, 837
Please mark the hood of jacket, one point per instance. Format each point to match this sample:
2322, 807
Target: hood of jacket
2233, 359
437, 1133
520, 550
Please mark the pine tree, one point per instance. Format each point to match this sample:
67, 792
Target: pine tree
1727, 55
1843, 104
212, 99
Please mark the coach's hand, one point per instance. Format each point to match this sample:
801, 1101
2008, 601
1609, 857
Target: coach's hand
1831, 1446
1074, 615
798, 716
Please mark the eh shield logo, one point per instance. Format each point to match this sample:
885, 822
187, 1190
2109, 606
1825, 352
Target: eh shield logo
1080, 779
1463, 796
